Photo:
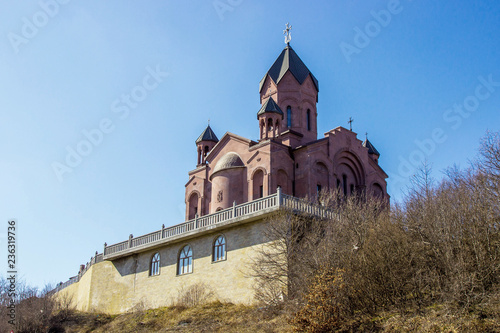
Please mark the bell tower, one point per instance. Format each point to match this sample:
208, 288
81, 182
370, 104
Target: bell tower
270, 118
204, 144
294, 89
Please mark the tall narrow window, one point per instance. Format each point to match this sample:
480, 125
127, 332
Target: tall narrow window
289, 116
270, 128
308, 119
154, 268
344, 183
318, 190
219, 252
258, 184
185, 263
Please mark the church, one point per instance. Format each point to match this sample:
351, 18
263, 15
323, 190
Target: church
231, 194
288, 153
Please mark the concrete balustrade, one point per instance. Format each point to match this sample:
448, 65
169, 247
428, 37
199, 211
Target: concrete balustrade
234, 214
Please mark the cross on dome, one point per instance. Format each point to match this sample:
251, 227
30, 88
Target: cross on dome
287, 33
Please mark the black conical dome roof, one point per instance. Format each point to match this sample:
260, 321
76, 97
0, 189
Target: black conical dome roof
288, 60
270, 106
207, 135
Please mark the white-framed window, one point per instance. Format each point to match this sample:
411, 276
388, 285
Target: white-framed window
154, 267
219, 249
185, 262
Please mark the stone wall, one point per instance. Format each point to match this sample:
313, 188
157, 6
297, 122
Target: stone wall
120, 285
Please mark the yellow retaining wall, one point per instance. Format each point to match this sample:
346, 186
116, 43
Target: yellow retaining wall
120, 285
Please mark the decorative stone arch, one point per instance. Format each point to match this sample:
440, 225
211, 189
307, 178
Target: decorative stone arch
290, 100
259, 186
283, 181
193, 204
350, 171
377, 190
308, 104
320, 175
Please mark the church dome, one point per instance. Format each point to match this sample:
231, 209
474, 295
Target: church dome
228, 161
289, 61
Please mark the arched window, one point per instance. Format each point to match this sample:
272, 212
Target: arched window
318, 190
270, 127
185, 263
206, 150
193, 206
258, 184
344, 184
154, 268
308, 119
289, 116
219, 251
377, 190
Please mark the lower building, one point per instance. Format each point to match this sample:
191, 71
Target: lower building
215, 252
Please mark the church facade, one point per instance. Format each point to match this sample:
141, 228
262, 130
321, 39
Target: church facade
288, 153
231, 195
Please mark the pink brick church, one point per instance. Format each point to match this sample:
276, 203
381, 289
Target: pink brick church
288, 153
237, 185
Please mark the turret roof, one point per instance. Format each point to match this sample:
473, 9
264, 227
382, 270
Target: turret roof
371, 148
288, 60
207, 135
270, 106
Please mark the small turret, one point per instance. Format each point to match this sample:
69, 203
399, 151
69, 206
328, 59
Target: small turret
205, 142
372, 151
270, 117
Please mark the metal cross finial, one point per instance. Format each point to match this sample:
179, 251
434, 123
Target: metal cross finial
287, 33
366, 135
350, 123
208, 121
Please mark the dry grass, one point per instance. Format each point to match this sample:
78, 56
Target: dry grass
220, 317
213, 317
439, 319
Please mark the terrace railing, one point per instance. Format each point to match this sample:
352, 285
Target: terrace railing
242, 210
98, 257
262, 205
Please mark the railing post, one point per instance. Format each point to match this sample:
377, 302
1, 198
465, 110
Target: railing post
162, 230
234, 209
104, 251
196, 221
130, 241
278, 193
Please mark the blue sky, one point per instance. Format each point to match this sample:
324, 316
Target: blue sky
421, 77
